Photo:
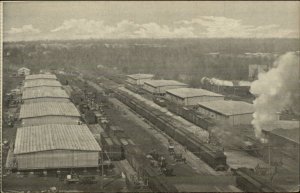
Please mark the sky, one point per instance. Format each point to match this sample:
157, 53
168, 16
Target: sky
190, 19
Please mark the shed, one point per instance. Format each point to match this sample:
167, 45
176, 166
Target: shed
41, 76
288, 131
191, 96
41, 82
55, 146
159, 87
230, 112
285, 137
23, 71
138, 79
49, 112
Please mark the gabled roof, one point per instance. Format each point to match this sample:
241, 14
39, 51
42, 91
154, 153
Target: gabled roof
226, 107
140, 76
41, 82
54, 137
48, 109
40, 76
161, 83
191, 92
23, 68
43, 92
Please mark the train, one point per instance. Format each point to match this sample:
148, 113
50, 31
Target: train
191, 115
209, 153
150, 175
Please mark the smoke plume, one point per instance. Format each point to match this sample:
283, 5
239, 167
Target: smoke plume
215, 81
276, 90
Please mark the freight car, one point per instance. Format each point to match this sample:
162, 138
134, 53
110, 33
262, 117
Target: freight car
248, 181
190, 115
150, 175
207, 152
112, 146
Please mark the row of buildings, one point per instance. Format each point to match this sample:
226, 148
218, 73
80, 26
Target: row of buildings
285, 134
51, 135
207, 103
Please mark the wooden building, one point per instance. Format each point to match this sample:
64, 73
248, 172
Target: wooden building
55, 146
159, 87
227, 112
49, 113
23, 71
191, 96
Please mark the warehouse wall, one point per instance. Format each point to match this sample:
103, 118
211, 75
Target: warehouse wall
164, 88
131, 80
192, 100
149, 88
137, 81
244, 119
160, 90
175, 99
49, 120
38, 100
141, 81
57, 159
213, 115
196, 100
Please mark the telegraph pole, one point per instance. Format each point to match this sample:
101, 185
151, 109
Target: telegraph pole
102, 168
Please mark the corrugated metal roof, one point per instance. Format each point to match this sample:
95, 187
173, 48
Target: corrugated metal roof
53, 137
40, 76
53, 119
140, 76
48, 108
191, 92
42, 92
41, 82
228, 107
50, 99
159, 83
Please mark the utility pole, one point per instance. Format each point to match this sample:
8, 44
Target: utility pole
269, 150
102, 173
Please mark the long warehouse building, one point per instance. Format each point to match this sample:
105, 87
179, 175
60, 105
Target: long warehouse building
228, 112
159, 87
41, 82
138, 79
40, 76
191, 96
55, 146
49, 113
44, 94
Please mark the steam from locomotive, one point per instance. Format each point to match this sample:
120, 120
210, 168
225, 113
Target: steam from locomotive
276, 90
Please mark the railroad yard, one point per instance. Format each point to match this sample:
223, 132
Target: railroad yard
142, 96
102, 132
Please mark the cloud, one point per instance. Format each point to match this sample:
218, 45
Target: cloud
200, 27
23, 29
82, 28
153, 30
222, 27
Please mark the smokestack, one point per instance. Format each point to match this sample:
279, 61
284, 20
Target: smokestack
275, 90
